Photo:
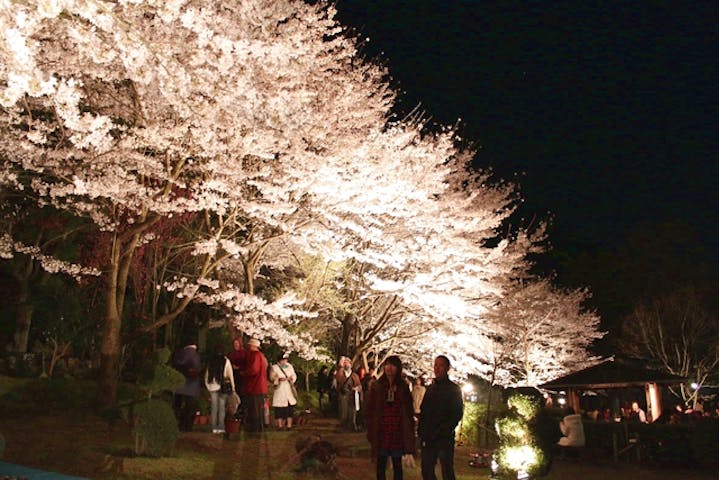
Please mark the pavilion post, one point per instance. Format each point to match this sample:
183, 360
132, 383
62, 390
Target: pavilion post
654, 401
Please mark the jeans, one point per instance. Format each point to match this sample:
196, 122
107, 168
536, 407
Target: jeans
443, 450
218, 407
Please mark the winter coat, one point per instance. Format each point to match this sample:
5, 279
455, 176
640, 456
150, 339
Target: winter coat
254, 376
573, 431
188, 362
441, 410
374, 407
283, 395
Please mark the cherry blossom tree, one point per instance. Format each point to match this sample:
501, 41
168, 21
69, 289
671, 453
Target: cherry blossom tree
128, 112
256, 130
542, 332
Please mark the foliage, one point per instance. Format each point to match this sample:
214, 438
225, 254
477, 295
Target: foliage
519, 448
471, 423
153, 420
164, 378
58, 394
155, 428
541, 333
259, 125
526, 407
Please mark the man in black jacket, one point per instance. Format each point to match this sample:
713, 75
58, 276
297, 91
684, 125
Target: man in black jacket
442, 409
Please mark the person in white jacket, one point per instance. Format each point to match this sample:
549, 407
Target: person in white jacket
572, 429
283, 377
219, 372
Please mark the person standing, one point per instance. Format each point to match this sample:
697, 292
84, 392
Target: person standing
418, 391
187, 361
389, 419
237, 359
218, 377
348, 388
283, 377
440, 412
254, 386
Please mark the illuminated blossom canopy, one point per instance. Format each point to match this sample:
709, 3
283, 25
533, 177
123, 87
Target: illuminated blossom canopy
260, 121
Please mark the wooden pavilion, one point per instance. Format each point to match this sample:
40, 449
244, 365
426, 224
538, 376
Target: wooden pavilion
615, 374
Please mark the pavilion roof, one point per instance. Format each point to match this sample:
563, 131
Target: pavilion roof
612, 374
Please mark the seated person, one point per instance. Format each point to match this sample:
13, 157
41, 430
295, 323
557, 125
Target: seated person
572, 429
637, 414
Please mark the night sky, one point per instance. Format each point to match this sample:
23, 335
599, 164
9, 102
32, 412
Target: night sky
606, 114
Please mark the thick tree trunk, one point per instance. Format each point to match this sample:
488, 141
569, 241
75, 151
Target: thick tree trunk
109, 374
110, 346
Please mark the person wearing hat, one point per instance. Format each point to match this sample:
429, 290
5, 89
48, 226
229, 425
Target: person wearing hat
349, 388
254, 385
283, 377
389, 417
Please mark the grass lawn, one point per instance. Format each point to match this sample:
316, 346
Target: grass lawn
75, 442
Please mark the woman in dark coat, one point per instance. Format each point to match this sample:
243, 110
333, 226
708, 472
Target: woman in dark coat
389, 418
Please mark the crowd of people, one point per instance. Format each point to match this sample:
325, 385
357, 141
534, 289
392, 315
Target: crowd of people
400, 417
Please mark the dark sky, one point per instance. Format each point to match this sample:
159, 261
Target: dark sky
606, 113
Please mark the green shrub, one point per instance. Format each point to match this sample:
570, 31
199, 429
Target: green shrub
153, 420
155, 428
471, 423
520, 447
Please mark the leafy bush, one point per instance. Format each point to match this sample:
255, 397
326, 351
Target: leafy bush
155, 428
471, 423
153, 421
520, 448
67, 395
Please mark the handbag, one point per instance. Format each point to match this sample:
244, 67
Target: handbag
226, 386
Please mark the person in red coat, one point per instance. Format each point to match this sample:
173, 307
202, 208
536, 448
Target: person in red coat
254, 386
389, 418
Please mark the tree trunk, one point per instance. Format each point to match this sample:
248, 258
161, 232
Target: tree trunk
24, 318
111, 344
487, 417
109, 374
